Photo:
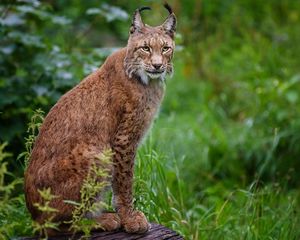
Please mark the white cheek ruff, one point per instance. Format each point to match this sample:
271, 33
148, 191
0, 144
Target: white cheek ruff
163, 76
154, 75
146, 76
143, 76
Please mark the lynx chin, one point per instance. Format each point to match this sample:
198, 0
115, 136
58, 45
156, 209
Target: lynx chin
112, 108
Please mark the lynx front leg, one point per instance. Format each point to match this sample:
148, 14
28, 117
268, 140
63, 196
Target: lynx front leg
124, 147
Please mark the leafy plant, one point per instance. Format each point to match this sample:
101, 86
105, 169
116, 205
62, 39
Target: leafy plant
89, 205
47, 224
33, 128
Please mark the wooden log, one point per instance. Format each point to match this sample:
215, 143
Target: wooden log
156, 232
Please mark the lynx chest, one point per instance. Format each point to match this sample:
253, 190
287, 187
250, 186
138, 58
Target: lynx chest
146, 105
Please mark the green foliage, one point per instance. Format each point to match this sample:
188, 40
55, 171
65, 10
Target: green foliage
45, 207
13, 216
6, 190
234, 98
33, 128
35, 69
89, 205
25, 54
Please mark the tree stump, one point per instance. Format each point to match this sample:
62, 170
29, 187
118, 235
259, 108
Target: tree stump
156, 232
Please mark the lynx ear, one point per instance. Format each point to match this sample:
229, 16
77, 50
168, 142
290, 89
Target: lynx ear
170, 23
137, 23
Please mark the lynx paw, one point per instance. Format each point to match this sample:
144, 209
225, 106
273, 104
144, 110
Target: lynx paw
109, 221
135, 222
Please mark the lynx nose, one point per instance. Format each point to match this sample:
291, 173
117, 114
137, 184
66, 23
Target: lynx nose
157, 66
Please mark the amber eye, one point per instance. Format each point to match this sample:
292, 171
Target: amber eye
165, 49
145, 49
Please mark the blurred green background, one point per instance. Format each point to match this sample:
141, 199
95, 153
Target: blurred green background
222, 160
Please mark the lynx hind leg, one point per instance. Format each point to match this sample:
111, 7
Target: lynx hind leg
109, 221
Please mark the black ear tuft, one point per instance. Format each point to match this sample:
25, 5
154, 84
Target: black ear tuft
144, 8
170, 23
137, 23
168, 7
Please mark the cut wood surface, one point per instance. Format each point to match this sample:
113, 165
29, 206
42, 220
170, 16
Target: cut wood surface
156, 232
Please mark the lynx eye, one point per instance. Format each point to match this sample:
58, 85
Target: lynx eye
145, 49
165, 49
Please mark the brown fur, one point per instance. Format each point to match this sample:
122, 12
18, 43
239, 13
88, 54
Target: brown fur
112, 108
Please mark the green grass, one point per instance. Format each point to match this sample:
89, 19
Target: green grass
217, 211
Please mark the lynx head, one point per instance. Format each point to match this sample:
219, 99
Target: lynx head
150, 49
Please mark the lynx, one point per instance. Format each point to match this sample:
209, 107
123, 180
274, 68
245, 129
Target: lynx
111, 108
